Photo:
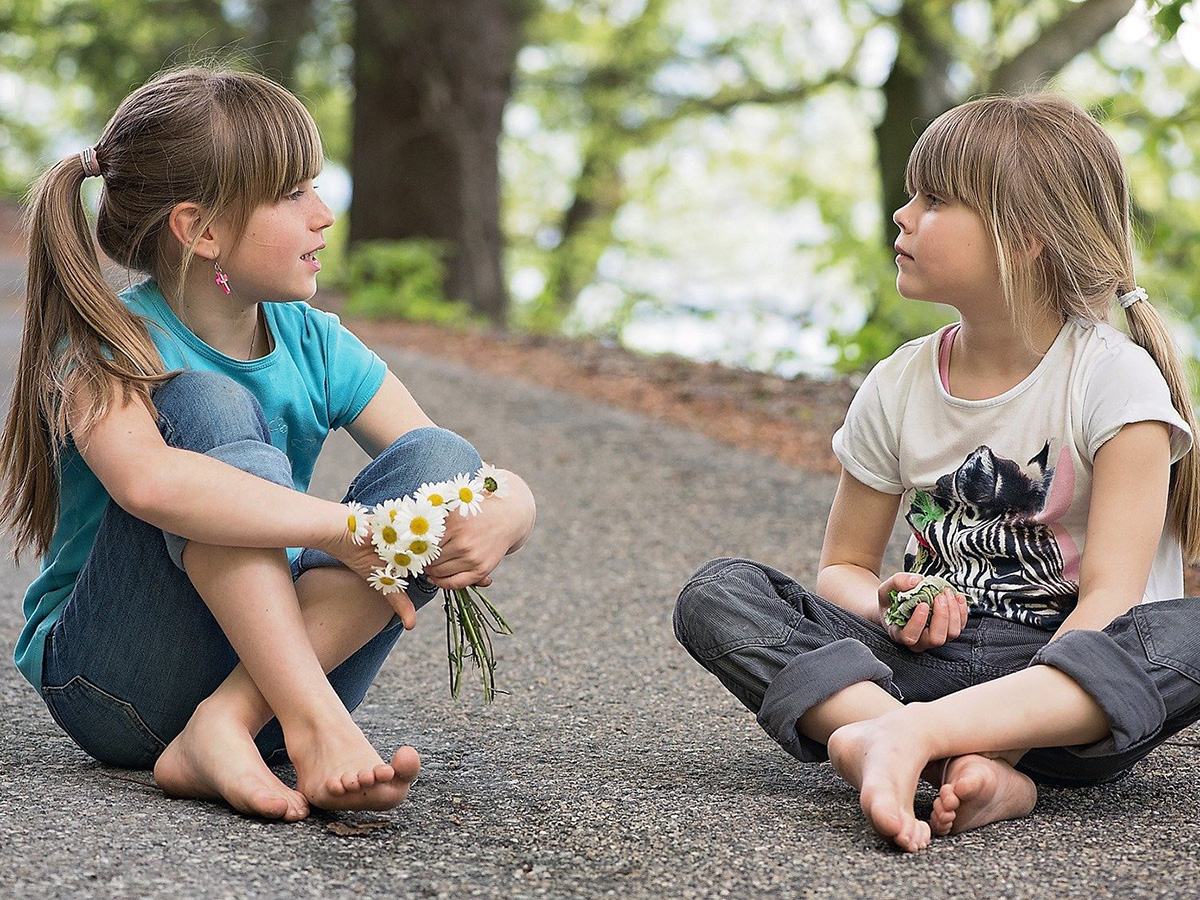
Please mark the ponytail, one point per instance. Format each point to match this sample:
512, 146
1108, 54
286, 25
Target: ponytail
1148, 330
78, 336
225, 140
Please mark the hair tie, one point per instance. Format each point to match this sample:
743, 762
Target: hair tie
1131, 297
91, 165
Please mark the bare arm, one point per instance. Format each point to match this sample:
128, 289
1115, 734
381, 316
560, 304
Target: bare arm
391, 413
860, 525
196, 496
856, 536
1130, 479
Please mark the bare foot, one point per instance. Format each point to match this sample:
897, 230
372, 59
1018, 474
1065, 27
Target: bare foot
884, 761
977, 791
215, 758
339, 769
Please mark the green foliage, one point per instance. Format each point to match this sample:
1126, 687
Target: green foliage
404, 280
1168, 15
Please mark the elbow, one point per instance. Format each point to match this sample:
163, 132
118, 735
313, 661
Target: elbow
144, 496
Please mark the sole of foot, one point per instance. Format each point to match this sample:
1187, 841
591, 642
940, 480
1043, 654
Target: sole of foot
216, 760
978, 791
879, 762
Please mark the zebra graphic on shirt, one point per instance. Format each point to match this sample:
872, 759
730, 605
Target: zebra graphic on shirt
978, 527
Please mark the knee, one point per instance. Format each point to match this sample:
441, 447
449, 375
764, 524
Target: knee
711, 604
436, 453
726, 605
202, 410
418, 457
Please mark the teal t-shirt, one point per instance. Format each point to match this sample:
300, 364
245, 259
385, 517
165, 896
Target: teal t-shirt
317, 378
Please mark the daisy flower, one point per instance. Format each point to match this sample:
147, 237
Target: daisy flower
357, 521
440, 495
386, 581
469, 493
388, 509
404, 563
421, 520
422, 552
494, 482
386, 534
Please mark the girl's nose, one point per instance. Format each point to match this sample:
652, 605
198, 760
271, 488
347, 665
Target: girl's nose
324, 217
902, 216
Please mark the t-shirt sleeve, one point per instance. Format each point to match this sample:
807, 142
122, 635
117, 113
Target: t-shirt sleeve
353, 373
1126, 386
867, 444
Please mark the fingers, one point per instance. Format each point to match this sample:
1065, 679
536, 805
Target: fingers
939, 623
404, 608
933, 628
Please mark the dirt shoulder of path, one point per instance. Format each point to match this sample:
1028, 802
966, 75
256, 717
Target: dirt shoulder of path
792, 420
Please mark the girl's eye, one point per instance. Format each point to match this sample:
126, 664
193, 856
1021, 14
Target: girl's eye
933, 200
296, 194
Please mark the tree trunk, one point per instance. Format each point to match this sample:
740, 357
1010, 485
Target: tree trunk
917, 91
431, 81
278, 28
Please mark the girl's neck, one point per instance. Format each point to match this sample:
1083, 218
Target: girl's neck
229, 326
991, 356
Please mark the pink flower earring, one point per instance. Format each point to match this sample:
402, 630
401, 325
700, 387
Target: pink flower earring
221, 279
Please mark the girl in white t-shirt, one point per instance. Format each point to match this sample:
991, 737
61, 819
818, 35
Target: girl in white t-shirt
1044, 464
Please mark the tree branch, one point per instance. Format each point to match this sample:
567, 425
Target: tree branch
1074, 32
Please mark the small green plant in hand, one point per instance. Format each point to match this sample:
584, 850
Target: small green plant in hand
905, 603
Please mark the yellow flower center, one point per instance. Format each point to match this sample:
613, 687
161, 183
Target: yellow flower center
352, 523
419, 525
490, 484
436, 499
466, 495
418, 547
389, 535
387, 579
392, 515
402, 559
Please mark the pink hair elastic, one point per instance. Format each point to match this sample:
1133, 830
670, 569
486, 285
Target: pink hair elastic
91, 165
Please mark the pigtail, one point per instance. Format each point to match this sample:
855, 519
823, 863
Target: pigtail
1149, 331
78, 335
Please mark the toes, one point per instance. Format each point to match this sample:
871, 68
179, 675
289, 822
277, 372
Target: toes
406, 763
382, 774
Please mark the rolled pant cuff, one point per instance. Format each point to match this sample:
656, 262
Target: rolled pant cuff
808, 679
1115, 680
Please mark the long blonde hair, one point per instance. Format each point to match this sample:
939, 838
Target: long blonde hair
1039, 170
225, 140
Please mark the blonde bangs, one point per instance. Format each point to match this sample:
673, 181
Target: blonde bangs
266, 143
959, 156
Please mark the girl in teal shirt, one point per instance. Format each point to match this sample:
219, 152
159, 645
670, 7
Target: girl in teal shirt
159, 444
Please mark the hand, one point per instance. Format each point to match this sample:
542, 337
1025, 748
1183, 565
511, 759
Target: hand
472, 547
945, 623
362, 559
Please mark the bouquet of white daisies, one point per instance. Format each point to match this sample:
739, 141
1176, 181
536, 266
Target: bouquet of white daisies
407, 533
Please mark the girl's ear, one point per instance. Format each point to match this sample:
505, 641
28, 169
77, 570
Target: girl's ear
185, 223
1034, 249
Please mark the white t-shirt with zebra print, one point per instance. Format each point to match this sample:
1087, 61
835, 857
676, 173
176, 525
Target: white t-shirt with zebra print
996, 491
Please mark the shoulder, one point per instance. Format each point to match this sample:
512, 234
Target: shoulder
913, 363
1116, 383
1101, 351
302, 326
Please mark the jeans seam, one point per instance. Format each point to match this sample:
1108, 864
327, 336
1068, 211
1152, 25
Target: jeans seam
126, 708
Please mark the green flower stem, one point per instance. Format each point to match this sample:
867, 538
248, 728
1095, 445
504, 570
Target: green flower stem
469, 629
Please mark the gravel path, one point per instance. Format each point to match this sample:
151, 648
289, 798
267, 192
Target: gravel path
614, 766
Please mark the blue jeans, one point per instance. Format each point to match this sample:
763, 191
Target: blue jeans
781, 650
136, 649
